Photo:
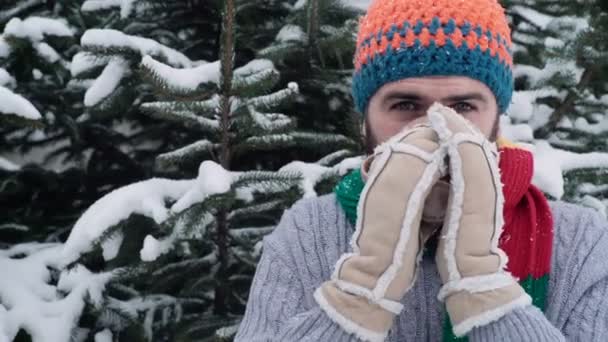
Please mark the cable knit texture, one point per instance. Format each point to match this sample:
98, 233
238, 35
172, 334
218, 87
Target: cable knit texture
300, 254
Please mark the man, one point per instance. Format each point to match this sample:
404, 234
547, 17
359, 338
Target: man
440, 234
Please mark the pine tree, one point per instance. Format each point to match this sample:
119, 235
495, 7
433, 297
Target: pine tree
42, 190
181, 254
561, 94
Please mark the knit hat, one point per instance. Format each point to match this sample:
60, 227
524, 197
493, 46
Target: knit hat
399, 39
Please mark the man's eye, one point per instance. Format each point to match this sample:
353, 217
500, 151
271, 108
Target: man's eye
404, 106
463, 107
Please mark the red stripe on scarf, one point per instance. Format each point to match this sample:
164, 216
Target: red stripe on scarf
527, 236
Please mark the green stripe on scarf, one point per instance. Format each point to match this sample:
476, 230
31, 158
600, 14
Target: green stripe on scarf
348, 191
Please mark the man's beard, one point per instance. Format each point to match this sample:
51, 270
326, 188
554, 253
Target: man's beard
371, 142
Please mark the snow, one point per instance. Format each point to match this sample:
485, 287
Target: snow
212, 179
111, 246
126, 6
5, 49
254, 66
152, 249
582, 124
104, 336
300, 4
189, 79
84, 61
145, 198
551, 163
11, 103
35, 28
109, 38
107, 82
47, 52
31, 303
312, 173
357, 4
539, 19
515, 132
6, 80
291, 33
184, 79
37, 74
8, 165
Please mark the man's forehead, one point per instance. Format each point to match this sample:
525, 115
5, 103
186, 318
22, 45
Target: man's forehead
435, 87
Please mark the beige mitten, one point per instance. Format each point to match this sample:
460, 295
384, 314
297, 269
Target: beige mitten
364, 293
477, 290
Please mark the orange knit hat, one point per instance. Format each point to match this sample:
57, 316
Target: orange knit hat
412, 38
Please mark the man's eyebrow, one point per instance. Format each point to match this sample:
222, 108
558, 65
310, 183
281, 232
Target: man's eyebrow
465, 97
402, 95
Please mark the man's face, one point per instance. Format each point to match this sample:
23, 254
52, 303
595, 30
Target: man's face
405, 102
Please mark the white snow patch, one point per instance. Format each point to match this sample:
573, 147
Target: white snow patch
107, 82
126, 6
152, 249
551, 163
515, 132
6, 80
84, 61
29, 302
104, 336
144, 198
111, 246
8, 165
11, 103
184, 79
109, 38
37, 74
47, 52
357, 4
5, 49
212, 179
540, 19
291, 33
35, 28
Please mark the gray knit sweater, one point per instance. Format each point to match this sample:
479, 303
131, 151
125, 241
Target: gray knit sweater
301, 252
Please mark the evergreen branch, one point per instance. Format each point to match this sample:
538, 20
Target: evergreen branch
567, 104
258, 208
270, 101
187, 118
255, 84
253, 178
197, 150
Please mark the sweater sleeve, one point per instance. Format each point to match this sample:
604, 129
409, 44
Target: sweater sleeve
276, 309
578, 300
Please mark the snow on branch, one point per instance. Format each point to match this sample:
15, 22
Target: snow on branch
312, 173
36, 28
107, 82
145, 198
30, 301
197, 149
182, 80
126, 6
114, 39
5, 49
189, 79
273, 100
13, 104
6, 80
551, 164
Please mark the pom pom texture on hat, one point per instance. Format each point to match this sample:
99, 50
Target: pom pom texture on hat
399, 39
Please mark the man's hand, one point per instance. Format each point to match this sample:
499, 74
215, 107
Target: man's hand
477, 289
365, 290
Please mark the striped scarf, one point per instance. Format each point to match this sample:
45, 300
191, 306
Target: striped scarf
527, 236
